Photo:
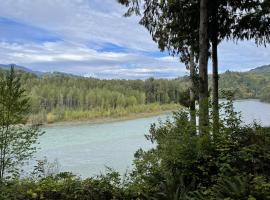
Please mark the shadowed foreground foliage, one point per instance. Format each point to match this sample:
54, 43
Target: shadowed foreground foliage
232, 165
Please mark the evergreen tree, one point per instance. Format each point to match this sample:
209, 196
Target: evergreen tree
16, 139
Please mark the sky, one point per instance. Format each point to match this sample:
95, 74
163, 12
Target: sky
92, 38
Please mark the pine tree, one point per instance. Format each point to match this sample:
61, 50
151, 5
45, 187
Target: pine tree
16, 139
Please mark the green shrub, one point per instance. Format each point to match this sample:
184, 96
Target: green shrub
231, 164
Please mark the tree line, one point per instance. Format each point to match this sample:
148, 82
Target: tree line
54, 95
57, 93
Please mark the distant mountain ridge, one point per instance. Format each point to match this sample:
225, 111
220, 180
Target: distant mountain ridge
261, 69
38, 73
18, 67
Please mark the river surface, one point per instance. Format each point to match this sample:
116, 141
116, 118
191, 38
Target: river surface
86, 149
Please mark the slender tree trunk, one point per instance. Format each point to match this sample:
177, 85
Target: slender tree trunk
192, 90
1, 152
215, 87
214, 40
203, 68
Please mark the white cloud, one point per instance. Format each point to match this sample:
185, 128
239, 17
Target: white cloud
81, 60
80, 21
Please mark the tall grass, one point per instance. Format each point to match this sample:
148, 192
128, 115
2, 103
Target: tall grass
59, 115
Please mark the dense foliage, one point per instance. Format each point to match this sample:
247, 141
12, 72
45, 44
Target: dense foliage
230, 165
66, 186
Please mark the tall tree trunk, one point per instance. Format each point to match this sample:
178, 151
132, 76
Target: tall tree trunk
214, 40
215, 87
192, 108
203, 68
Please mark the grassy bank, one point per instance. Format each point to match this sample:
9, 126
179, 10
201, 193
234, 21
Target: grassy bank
96, 115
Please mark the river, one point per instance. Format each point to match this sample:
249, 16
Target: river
86, 149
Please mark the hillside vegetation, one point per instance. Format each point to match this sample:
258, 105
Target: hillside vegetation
64, 97
60, 97
252, 84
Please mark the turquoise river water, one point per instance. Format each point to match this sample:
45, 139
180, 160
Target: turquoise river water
85, 149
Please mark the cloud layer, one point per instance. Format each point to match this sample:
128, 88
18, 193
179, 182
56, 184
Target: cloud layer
81, 60
92, 38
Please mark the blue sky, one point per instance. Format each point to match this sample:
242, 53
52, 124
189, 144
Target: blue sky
92, 38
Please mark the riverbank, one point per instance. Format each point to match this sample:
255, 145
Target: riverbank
94, 117
108, 119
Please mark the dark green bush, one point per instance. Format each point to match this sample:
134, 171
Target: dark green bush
231, 164
65, 186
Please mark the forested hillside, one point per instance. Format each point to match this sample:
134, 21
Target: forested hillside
252, 84
60, 97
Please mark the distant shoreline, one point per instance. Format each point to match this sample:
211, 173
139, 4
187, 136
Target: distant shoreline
131, 116
103, 120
